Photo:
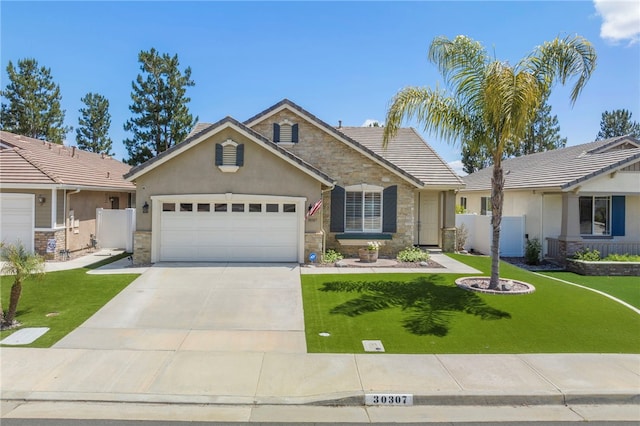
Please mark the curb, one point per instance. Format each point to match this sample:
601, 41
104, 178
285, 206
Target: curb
354, 400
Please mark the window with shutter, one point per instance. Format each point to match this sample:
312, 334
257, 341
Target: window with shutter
363, 209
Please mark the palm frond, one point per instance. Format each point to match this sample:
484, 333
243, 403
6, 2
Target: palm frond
562, 59
435, 111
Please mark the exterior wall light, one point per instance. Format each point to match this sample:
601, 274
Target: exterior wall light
145, 207
41, 199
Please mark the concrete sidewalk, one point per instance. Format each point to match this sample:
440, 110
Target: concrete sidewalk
253, 379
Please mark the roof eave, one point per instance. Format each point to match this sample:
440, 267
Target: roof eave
223, 124
301, 112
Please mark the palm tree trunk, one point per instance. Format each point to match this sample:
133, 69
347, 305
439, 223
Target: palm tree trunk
16, 291
497, 188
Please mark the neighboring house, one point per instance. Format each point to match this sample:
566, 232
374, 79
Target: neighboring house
49, 194
576, 197
237, 191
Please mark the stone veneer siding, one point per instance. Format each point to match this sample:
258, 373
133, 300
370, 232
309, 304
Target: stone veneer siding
449, 240
40, 243
630, 269
313, 244
567, 249
142, 247
348, 167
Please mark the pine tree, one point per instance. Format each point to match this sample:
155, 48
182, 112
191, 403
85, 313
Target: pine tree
94, 122
543, 133
161, 116
617, 123
33, 107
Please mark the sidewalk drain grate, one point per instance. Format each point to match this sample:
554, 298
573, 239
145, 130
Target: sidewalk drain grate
373, 346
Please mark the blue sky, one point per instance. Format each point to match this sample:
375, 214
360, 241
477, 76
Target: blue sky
339, 60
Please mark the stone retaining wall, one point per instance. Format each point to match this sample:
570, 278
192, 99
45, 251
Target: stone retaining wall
582, 267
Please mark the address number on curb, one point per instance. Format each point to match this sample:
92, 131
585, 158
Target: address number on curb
388, 399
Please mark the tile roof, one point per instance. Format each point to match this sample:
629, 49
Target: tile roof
560, 168
202, 128
409, 152
367, 150
25, 160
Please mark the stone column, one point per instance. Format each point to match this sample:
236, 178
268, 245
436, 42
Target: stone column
570, 240
449, 240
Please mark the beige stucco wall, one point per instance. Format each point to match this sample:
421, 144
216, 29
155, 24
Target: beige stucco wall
348, 167
194, 172
83, 205
543, 211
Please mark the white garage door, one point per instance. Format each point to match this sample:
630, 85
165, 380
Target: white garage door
17, 219
228, 231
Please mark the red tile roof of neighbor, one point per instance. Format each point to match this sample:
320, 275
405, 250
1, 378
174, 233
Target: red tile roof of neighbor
25, 160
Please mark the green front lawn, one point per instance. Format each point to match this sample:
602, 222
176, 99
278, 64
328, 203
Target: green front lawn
73, 295
626, 289
427, 313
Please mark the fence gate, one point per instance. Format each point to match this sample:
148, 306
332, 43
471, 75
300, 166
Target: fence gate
115, 228
512, 231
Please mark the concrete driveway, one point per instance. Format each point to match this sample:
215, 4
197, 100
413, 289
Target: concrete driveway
201, 307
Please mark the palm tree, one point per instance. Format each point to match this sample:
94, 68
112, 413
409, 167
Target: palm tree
491, 103
20, 263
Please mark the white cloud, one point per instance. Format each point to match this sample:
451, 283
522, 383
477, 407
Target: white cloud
620, 19
457, 167
369, 122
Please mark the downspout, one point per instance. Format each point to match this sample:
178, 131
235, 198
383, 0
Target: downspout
66, 228
419, 221
324, 234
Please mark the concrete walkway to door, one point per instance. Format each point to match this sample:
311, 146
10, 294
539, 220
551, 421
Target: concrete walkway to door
201, 307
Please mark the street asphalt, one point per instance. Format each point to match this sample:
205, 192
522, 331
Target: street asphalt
225, 342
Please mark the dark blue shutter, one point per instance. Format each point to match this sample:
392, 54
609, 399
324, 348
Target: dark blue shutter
276, 132
294, 133
617, 215
218, 154
337, 209
389, 209
240, 155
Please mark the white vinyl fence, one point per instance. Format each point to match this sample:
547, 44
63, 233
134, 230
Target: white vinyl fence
512, 232
115, 228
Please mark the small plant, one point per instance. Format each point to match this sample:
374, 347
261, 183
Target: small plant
332, 256
373, 245
587, 255
461, 237
622, 258
413, 254
532, 251
460, 209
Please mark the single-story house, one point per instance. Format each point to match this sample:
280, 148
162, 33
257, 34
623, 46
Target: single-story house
243, 191
49, 194
582, 196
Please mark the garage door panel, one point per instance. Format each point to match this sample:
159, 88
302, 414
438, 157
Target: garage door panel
17, 219
229, 236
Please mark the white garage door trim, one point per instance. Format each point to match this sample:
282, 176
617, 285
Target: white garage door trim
158, 200
18, 218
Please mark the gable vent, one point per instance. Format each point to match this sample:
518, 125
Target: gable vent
229, 155
285, 133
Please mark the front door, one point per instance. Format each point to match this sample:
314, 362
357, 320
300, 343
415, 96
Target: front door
428, 219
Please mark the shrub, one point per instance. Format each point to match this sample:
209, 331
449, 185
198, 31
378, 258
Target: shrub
622, 258
532, 251
412, 254
587, 254
332, 256
460, 209
461, 237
